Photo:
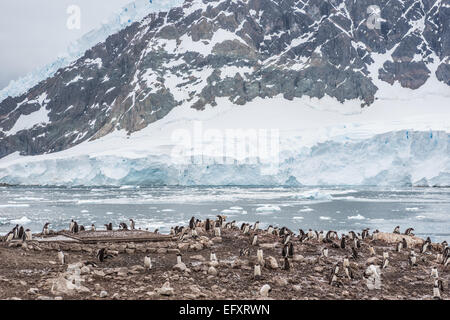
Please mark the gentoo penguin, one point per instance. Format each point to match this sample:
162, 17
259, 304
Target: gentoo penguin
212, 256
399, 246
412, 259
404, 243
409, 231
192, 223
348, 272
354, 253
285, 251
102, 254
256, 226
71, 226
75, 228
334, 273
255, 240
123, 226
147, 262
365, 234
217, 232
286, 265
325, 252
9, 236
28, 235
45, 230
194, 233
207, 225
321, 236
343, 242
156, 231
424, 247
265, 290
15, 231
61, 257
356, 243
246, 229
132, 224
385, 263
260, 256
371, 250
291, 249
270, 230
397, 230
446, 261
244, 252
346, 262
93, 227
437, 288
257, 272
286, 238
179, 258
21, 233
352, 235
434, 272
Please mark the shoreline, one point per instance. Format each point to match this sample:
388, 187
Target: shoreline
31, 269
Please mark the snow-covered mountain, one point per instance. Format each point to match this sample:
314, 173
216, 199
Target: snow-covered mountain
353, 102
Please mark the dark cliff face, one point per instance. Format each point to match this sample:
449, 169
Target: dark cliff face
235, 49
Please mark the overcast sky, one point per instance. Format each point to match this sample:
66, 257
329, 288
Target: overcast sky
34, 32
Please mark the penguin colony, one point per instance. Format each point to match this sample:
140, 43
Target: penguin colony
349, 245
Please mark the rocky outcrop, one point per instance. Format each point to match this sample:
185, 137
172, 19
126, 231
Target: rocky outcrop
240, 50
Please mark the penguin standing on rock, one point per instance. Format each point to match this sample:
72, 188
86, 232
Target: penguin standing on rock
148, 262
397, 230
260, 256
102, 255
45, 230
343, 242
28, 235
412, 259
255, 240
399, 246
93, 227
371, 250
21, 233
325, 252
61, 257
75, 228
404, 244
425, 245
257, 272
71, 226
409, 231
437, 288
132, 224
334, 273
192, 223
434, 273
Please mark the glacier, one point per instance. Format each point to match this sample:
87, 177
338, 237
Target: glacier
320, 142
133, 12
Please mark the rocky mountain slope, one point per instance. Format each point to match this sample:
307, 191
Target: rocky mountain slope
201, 52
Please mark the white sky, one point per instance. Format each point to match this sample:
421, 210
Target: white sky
34, 32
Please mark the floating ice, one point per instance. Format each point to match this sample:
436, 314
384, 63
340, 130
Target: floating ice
23, 220
357, 217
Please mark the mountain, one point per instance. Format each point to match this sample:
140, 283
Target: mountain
209, 55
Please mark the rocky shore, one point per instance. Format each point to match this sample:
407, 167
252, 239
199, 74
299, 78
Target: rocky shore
33, 270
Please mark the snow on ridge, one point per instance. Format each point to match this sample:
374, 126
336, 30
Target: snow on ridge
134, 11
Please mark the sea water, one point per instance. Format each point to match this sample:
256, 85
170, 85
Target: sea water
427, 210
